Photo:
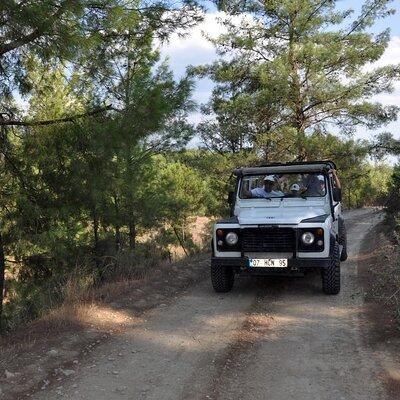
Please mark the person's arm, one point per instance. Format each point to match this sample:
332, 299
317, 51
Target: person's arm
258, 193
335, 178
247, 194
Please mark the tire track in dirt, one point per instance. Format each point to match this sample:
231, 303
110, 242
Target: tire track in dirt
244, 338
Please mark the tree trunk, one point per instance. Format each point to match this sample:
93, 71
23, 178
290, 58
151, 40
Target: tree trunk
117, 238
117, 227
2, 278
297, 99
95, 231
266, 150
96, 238
132, 235
301, 150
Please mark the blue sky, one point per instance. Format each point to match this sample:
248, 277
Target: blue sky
393, 22
194, 49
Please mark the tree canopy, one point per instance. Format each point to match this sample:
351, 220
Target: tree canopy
288, 69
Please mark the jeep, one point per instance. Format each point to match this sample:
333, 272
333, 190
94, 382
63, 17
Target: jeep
285, 219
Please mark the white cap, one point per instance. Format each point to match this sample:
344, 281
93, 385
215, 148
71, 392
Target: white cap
270, 178
295, 187
321, 178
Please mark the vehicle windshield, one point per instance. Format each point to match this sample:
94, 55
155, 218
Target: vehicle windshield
283, 186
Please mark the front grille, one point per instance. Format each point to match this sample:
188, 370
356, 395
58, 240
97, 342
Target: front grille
268, 239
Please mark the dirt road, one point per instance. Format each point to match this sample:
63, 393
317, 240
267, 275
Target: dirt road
272, 339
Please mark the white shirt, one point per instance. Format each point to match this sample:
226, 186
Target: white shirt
262, 193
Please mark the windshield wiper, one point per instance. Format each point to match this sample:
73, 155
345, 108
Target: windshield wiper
293, 197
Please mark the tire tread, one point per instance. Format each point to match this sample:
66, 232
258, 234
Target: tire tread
331, 275
222, 278
343, 241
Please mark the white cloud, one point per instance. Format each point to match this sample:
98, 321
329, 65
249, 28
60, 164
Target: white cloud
196, 49
195, 38
391, 54
388, 99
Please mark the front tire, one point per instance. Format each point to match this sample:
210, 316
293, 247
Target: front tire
222, 278
331, 274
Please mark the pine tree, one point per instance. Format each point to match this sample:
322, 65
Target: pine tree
292, 67
56, 174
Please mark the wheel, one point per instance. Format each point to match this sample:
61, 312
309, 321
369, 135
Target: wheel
331, 274
343, 240
222, 278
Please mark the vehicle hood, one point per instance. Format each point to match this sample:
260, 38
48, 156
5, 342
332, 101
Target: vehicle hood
279, 215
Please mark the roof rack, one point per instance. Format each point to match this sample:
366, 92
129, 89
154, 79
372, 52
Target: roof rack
328, 162
291, 167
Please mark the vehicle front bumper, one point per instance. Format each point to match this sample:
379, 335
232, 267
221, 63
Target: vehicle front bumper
293, 263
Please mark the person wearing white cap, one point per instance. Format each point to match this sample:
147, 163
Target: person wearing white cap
315, 185
294, 190
268, 190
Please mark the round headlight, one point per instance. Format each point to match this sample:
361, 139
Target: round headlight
307, 238
231, 238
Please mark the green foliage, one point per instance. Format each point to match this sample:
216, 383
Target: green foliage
76, 191
393, 204
363, 183
215, 170
366, 185
103, 195
82, 32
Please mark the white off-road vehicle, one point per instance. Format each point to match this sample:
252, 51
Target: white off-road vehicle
285, 219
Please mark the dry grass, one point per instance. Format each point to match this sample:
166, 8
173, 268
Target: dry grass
387, 286
85, 320
85, 298
384, 269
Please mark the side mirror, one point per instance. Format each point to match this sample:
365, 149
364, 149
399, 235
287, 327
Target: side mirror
231, 198
337, 194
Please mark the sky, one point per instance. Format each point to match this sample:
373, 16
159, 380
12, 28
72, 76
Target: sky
195, 49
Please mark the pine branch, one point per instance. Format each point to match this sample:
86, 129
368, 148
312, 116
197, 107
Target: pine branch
4, 122
35, 34
359, 23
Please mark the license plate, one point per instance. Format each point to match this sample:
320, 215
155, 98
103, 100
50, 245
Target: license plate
268, 262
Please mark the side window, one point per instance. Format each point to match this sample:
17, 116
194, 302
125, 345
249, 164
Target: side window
322, 187
255, 182
250, 182
245, 185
